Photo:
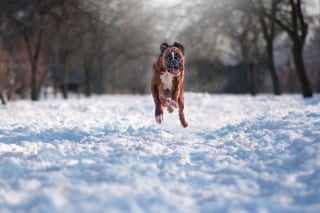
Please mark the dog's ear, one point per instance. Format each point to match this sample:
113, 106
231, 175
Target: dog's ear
180, 46
164, 46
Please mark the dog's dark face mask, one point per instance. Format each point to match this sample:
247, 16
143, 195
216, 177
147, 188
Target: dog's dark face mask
173, 62
173, 57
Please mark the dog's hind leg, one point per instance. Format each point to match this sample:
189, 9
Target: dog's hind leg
182, 118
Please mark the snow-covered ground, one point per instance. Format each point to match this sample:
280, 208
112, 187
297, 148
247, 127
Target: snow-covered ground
107, 154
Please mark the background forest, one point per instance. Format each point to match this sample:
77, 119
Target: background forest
108, 46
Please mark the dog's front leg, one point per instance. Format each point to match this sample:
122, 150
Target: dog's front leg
159, 114
158, 108
176, 93
175, 96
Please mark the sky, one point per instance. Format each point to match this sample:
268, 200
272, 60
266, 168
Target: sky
314, 7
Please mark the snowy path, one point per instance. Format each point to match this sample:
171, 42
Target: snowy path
107, 154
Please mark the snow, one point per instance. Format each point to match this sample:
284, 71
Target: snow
107, 154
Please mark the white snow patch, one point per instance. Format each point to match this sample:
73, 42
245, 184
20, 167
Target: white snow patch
106, 153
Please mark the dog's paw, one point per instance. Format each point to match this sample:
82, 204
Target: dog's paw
159, 118
159, 115
173, 103
170, 109
185, 124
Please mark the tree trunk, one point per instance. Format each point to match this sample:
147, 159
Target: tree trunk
3, 101
248, 68
33, 58
34, 88
101, 80
253, 86
88, 78
297, 52
318, 87
272, 69
33, 66
65, 76
268, 30
102, 83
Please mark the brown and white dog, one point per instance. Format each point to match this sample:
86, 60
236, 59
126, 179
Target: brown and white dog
167, 81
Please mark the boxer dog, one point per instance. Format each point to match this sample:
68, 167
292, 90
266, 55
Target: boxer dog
167, 81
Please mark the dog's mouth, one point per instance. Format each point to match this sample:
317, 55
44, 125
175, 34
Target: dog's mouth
174, 70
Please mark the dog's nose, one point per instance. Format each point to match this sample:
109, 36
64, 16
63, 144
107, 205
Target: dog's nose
174, 62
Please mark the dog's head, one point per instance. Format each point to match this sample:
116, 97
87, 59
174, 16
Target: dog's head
173, 57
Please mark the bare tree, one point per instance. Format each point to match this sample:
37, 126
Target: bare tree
28, 18
2, 99
69, 30
14, 63
291, 19
126, 42
269, 31
245, 33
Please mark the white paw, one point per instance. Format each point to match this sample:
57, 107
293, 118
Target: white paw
172, 103
159, 119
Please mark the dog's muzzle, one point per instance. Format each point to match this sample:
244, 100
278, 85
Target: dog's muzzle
174, 69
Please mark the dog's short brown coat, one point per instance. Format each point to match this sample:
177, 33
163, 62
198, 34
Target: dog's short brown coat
166, 93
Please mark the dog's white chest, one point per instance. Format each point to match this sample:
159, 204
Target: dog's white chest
166, 79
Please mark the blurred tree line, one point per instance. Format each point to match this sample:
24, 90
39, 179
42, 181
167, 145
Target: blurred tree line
254, 46
108, 46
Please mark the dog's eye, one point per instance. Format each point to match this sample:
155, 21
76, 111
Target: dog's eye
176, 56
168, 58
